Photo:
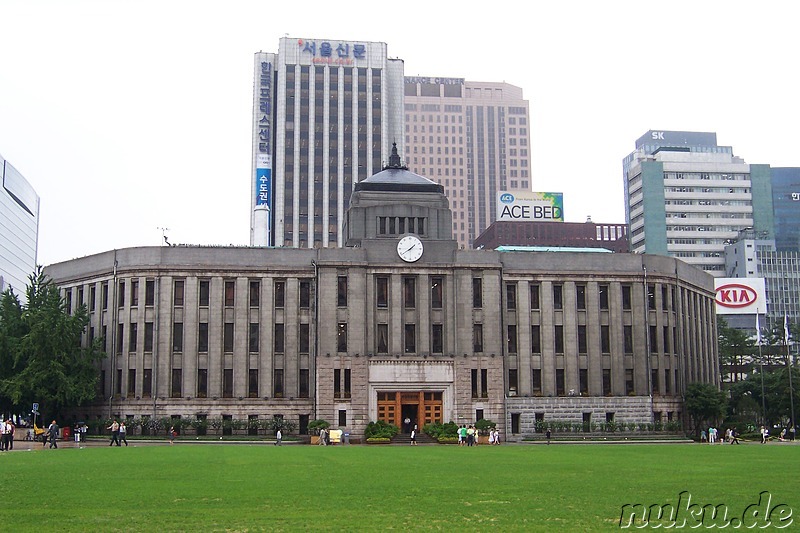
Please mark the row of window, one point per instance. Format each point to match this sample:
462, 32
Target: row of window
670, 378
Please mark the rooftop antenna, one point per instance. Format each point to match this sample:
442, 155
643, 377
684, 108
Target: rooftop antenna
164, 235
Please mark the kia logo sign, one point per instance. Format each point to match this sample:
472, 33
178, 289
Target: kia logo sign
734, 295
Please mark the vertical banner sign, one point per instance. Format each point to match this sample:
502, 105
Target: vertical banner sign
264, 180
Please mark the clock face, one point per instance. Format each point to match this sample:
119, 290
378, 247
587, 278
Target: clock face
409, 248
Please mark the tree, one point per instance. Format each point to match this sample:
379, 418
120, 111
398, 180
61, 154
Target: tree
736, 349
40, 350
705, 403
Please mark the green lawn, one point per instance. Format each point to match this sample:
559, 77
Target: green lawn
261, 487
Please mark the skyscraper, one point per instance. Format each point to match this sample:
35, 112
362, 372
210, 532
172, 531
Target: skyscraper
687, 197
325, 115
19, 229
786, 204
472, 138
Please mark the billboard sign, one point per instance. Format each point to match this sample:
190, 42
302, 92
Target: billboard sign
530, 206
740, 296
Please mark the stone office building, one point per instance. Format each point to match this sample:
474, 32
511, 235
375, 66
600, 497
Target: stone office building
400, 323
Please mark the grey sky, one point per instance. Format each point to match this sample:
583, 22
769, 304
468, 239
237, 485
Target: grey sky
127, 117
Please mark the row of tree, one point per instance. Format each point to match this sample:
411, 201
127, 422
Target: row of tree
41, 356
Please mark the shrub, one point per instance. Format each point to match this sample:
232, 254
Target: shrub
484, 425
437, 430
380, 429
378, 440
447, 440
315, 425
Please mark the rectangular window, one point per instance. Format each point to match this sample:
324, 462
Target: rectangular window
177, 295
304, 339
561, 389
437, 338
92, 298
253, 337
651, 296
511, 296
118, 384
605, 339
120, 337
341, 291
627, 335
148, 336
477, 338
202, 337
205, 291
536, 381
202, 383
583, 381
606, 382
347, 382
484, 383
512, 339
534, 287
626, 297
410, 338
667, 382
134, 293
121, 294
342, 418
558, 297
536, 339
558, 343
147, 382
104, 296
629, 390
603, 297
654, 381
664, 298
227, 337
382, 291
305, 294
149, 292
132, 337
409, 293
278, 338
303, 383
252, 383
475, 392
230, 293
581, 338
437, 292
131, 382
580, 297
337, 382
255, 293
665, 336
341, 337
382, 338
653, 332
227, 383
280, 294
512, 381
177, 383
277, 383
477, 293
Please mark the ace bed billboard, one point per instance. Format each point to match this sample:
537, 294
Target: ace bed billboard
530, 206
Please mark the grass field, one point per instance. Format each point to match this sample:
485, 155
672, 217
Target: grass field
262, 487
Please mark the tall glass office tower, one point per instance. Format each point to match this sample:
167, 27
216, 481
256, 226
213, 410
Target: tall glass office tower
19, 229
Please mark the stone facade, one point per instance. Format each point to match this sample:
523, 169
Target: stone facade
351, 335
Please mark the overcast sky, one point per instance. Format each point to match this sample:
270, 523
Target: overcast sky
128, 117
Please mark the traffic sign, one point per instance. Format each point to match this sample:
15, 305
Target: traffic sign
35, 407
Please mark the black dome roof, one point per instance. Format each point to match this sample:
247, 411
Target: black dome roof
396, 177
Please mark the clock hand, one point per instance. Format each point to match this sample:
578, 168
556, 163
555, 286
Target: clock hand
412, 247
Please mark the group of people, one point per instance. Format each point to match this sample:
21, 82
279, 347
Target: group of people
731, 436
119, 432
6, 435
468, 436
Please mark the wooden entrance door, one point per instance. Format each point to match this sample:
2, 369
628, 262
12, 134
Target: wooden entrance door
428, 407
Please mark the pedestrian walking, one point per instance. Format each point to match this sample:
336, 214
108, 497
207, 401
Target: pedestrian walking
278, 437
122, 432
172, 435
52, 433
114, 427
547, 435
414, 436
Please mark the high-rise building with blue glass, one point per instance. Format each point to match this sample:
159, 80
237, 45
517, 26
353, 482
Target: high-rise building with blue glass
19, 229
786, 207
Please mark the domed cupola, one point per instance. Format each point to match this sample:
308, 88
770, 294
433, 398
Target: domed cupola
396, 201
